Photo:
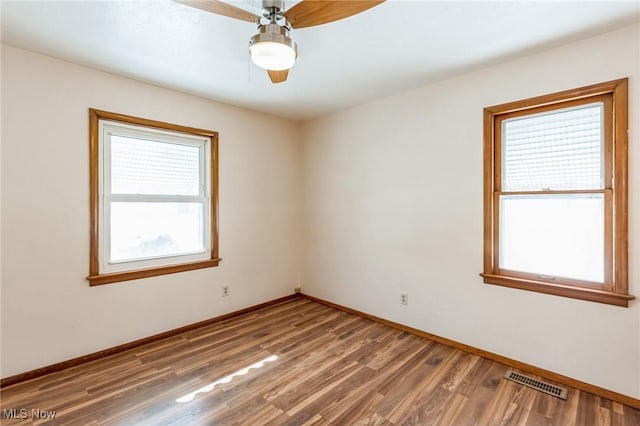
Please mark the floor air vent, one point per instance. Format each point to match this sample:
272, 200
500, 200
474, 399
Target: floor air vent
536, 384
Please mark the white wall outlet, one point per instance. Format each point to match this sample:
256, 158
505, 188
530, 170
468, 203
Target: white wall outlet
404, 298
225, 290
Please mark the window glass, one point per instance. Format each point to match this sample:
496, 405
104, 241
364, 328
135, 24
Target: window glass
147, 230
553, 235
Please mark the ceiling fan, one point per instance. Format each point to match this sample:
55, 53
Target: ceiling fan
272, 48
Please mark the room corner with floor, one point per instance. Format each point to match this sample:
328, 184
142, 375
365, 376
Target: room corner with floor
346, 212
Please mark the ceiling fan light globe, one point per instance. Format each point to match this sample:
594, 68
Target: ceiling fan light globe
272, 55
272, 48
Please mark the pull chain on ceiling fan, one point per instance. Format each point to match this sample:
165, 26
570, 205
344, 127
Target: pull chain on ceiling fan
272, 48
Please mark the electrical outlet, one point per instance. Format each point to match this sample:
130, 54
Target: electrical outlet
404, 298
225, 290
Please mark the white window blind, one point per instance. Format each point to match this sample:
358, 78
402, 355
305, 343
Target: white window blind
141, 166
558, 150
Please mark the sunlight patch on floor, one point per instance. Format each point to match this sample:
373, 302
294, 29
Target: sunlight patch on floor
208, 388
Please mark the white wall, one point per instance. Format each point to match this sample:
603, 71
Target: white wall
393, 203
49, 312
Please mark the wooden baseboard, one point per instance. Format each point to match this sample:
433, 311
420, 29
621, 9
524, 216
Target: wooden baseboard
39, 372
550, 375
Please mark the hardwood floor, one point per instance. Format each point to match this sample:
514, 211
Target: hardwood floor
298, 363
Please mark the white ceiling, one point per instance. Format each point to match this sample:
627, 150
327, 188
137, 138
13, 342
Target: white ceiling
393, 47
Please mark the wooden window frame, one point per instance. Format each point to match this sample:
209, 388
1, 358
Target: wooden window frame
614, 291
95, 276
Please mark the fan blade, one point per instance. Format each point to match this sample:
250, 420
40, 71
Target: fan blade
309, 13
221, 8
278, 76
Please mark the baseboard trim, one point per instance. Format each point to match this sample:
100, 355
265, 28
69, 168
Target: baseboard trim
550, 375
59, 366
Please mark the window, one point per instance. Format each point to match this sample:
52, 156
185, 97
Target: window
153, 198
555, 194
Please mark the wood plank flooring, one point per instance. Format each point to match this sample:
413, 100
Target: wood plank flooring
298, 363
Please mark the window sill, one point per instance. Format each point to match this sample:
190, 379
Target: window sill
115, 277
592, 295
